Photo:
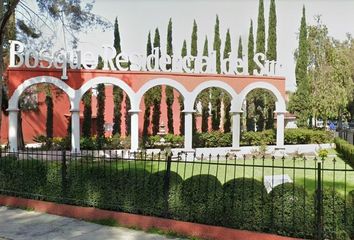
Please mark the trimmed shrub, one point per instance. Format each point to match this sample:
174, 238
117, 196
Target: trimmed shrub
346, 150
333, 215
212, 139
199, 200
258, 138
307, 136
157, 202
244, 200
350, 218
291, 211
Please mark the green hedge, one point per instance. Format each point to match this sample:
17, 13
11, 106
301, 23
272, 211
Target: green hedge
240, 203
244, 200
200, 200
306, 136
333, 216
346, 150
291, 211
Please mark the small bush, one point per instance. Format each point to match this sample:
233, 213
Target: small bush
157, 202
307, 136
291, 211
199, 200
212, 139
333, 215
346, 150
244, 204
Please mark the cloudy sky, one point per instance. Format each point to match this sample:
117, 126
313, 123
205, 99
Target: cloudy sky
137, 17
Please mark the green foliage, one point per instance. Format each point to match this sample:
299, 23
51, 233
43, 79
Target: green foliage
194, 43
323, 153
291, 211
212, 139
181, 116
215, 108
192, 207
116, 42
333, 215
169, 90
260, 41
117, 109
251, 138
240, 52
346, 150
49, 122
86, 125
217, 44
175, 140
272, 33
243, 201
307, 136
127, 115
101, 97
250, 50
158, 203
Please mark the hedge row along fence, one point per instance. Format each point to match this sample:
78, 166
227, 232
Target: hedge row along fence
346, 150
208, 139
241, 203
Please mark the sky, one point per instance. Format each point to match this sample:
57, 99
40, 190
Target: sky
137, 17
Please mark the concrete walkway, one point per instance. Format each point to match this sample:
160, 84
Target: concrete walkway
17, 224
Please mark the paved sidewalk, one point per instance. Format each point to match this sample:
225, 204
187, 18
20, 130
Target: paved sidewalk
17, 224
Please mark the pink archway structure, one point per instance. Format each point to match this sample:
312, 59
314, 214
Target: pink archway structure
135, 84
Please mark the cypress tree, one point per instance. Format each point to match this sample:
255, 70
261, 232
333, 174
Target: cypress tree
260, 41
156, 91
226, 97
127, 115
117, 92
204, 96
147, 95
299, 101
272, 33
180, 98
217, 44
49, 122
86, 124
250, 49
194, 43
239, 51
169, 90
101, 97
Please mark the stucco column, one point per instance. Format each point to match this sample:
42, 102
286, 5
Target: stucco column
236, 130
134, 130
188, 130
280, 130
13, 124
75, 131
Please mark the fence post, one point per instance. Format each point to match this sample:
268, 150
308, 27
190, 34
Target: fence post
319, 204
63, 175
166, 185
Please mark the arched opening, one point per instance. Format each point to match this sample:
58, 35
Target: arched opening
161, 111
104, 108
213, 118
43, 117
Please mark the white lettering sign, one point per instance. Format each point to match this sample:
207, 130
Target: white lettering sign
21, 55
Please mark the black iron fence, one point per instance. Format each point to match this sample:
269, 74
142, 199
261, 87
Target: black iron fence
292, 196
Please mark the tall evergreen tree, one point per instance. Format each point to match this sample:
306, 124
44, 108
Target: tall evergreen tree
180, 98
156, 91
169, 90
215, 92
86, 124
260, 41
217, 44
101, 97
127, 115
226, 97
240, 51
204, 96
250, 49
49, 122
194, 42
272, 33
117, 92
299, 102
147, 95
